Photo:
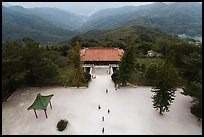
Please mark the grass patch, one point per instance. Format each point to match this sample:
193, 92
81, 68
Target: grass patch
137, 78
148, 61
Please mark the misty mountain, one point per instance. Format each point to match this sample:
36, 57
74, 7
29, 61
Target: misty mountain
6, 4
60, 17
122, 32
51, 25
18, 22
111, 12
57, 16
177, 18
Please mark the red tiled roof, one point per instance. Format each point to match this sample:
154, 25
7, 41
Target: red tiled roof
101, 54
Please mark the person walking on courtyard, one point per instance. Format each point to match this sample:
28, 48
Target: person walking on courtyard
106, 90
103, 130
108, 111
102, 118
99, 107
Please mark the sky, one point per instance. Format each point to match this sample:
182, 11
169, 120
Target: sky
83, 8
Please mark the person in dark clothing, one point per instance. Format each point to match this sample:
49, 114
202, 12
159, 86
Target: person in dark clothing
103, 130
106, 91
108, 111
99, 107
102, 118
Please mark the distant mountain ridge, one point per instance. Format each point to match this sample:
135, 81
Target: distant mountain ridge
59, 17
40, 24
122, 32
51, 25
178, 18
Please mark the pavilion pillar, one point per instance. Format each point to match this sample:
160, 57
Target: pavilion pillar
35, 114
50, 105
45, 113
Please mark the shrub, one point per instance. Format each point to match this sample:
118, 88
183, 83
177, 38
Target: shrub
62, 124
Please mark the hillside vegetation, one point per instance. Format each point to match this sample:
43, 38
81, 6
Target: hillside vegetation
177, 18
52, 25
18, 22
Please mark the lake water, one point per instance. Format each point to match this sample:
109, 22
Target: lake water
194, 37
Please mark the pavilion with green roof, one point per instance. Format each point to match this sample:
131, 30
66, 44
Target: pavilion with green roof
41, 103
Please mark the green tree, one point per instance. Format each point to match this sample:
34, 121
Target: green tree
142, 68
63, 49
194, 89
13, 74
127, 64
40, 67
137, 66
150, 72
25, 63
90, 43
145, 37
76, 40
144, 47
184, 49
163, 45
164, 88
192, 71
192, 67
76, 75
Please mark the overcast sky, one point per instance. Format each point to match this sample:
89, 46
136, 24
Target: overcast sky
79, 7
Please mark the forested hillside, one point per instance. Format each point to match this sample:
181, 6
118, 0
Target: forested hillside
52, 25
174, 18
18, 22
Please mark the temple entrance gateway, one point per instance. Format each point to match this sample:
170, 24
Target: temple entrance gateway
93, 58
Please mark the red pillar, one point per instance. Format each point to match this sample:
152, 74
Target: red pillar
45, 113
50, 105
35, 114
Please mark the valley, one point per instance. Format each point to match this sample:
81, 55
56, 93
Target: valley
53, 25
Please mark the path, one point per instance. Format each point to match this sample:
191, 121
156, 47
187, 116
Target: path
103, 81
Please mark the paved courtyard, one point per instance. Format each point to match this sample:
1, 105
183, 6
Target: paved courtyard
131, 111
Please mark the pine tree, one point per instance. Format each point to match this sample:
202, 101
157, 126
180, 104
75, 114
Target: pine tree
164, 87
150, 72
126, 65
75, 64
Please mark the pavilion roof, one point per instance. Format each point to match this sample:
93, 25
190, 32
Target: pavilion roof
41, 102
